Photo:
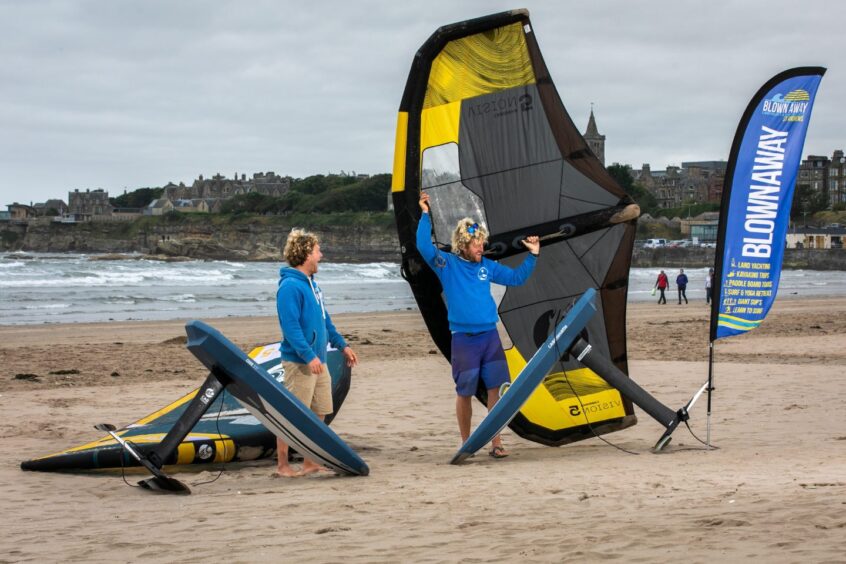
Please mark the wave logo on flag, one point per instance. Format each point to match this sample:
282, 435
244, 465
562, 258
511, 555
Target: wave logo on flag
792, 106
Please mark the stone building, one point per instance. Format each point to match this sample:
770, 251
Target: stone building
159, 207
831, 237
826, 176
219, 187
664, 185
197, 205
695, 181
51, 207
20, 212
703, 180
715, 186
84, 206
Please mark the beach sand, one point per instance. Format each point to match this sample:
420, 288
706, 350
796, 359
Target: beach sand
775, 488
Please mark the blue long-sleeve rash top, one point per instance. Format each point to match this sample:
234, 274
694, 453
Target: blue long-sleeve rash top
306, 325
466, 284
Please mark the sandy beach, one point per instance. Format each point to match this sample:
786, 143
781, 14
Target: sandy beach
774, 489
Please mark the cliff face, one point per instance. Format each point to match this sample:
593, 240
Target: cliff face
356, 243
251, 242
47, 236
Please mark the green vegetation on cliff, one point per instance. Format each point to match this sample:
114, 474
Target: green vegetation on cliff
318, 194
316, 201
139, 198
314, 194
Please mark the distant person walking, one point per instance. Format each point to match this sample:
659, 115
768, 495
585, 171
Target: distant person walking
662, 284
681, 282
709, 285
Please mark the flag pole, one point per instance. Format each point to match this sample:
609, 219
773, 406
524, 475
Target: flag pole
710, 389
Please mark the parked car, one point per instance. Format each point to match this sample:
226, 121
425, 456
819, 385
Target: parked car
655, 243
708, 245
681, 243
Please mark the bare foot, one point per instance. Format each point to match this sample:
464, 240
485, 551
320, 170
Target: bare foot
286, 472
313, 469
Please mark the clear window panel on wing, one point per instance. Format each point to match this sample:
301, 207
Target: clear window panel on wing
450, 200
498, 293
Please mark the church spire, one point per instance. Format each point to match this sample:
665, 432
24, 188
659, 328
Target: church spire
595, 141
591, 128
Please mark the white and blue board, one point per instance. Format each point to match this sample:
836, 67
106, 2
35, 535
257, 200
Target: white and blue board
278, 410
531, 376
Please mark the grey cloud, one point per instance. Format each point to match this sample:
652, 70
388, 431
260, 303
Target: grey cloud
128, 94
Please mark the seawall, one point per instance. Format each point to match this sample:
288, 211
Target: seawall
807, 259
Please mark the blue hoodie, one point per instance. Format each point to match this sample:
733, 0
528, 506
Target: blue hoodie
466, 284
306, 325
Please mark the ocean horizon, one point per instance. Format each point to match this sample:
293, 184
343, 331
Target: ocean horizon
38, 288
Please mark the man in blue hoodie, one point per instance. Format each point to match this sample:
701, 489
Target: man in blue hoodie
466, 278
306, 330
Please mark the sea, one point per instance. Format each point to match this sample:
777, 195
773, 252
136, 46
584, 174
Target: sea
40, 288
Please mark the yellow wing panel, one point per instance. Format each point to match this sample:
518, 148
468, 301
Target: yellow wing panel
480, 64
401, 142
439, 126
542, 408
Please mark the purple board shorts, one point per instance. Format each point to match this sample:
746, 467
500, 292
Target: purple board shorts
476, 355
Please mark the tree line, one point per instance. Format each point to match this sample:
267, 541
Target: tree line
313, 194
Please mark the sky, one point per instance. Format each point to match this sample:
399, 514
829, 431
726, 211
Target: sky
124, 94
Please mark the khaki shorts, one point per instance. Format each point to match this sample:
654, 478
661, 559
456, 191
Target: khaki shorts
314, 390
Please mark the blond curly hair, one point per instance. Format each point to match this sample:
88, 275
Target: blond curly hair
299, 245
462, 236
